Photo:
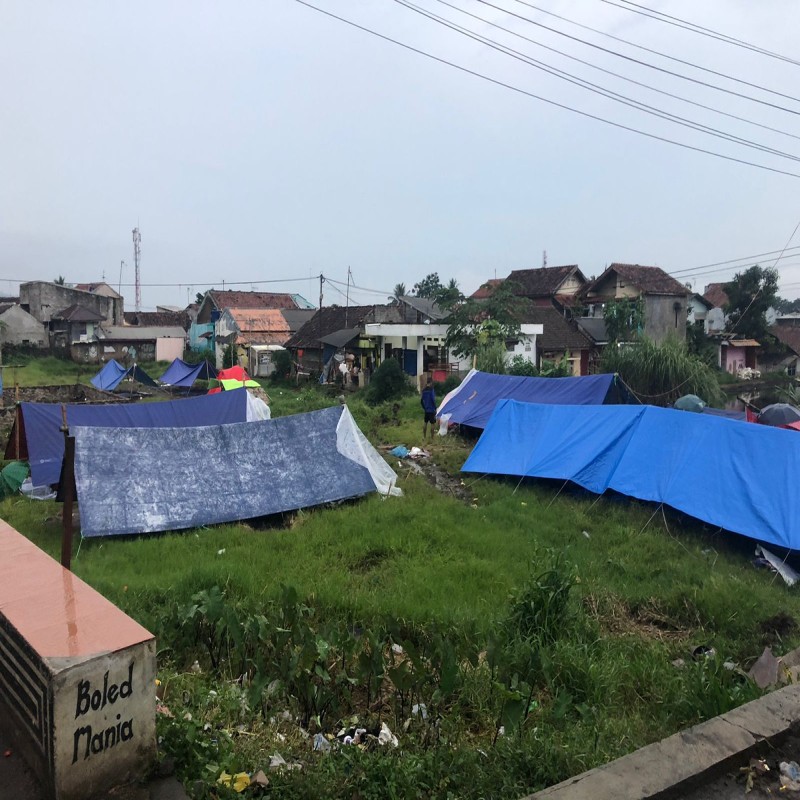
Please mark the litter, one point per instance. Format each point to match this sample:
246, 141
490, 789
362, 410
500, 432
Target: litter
790, 776
586, 534
776, 565
401, 451
36, 492
321, 743
765, 671
386, 736
703, 651
421, 709
238, 782
259, 779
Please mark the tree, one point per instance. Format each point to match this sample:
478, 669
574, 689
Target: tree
468, 331
199, 297
624, 318
398, 292
750, 294
430, 286
60, 281
449, 295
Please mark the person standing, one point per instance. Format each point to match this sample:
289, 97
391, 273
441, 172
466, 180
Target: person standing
428, 402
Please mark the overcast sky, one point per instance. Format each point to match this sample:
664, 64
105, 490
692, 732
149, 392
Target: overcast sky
259, 141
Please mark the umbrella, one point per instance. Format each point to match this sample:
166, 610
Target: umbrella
690, 402
779, 414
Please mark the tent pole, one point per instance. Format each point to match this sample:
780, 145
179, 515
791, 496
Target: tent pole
68, 488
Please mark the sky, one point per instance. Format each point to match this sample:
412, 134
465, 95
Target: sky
261, 144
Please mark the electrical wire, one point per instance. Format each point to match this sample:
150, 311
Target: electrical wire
660, 16
618, 75
593, 87
534, 96
638, 47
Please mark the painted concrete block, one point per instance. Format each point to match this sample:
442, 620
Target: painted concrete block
76, 676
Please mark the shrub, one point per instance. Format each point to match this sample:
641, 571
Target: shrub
522, 366
282, 361
661, 373
388, 382
197, 357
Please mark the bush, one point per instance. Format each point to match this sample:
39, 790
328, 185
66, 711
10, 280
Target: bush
522, 366
447, 385
282, 361
197, 357
661, 373
388, 382
491, 357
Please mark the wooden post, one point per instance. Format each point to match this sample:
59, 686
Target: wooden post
68, 484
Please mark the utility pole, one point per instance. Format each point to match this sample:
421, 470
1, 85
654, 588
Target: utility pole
347, 296
137, 255
121, 265
319, 321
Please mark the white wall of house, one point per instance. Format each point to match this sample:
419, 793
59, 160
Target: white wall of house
21, 328
169, 348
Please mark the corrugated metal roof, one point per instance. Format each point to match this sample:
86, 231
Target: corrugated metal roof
137, 333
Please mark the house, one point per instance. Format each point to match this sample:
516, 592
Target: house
19, 328
485, 290
255, 327
546, 285
42, 299
101, 288
76, 323
128, 343
203, 330
736, 355
665, 299
559, 338
787, 331
162, 318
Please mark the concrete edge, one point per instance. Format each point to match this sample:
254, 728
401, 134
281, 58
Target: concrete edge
664, 769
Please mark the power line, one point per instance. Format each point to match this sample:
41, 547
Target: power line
184, 284
534, 96
660, 16
659, 69
593, 87
617, 74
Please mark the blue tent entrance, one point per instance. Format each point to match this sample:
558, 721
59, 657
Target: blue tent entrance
113, 373
179, 373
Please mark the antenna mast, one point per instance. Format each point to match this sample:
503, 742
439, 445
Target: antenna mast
544, 258
137, 256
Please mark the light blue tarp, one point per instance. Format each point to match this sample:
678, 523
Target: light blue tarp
112, 374
473, 402
742, 478
43, 441
179, 373
159, 479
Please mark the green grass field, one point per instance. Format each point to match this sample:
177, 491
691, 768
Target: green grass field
552, 614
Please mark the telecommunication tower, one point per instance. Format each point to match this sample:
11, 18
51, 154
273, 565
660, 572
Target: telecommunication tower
137, 255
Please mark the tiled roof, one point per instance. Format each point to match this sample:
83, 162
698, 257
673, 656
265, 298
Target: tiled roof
326, 321
128, 333
486, 289
78, 313
716, 295
790, 336
233, 299
541, 282
648, 280
594, 328
262, 337
93, 287
558, 333
297, 317
157, 318
424, 306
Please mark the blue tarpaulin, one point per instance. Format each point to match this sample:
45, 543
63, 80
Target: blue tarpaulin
44, 440
113, 373
739, 477
474, 400
159, 479
179, 373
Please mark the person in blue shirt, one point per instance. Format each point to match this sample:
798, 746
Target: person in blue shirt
428, 402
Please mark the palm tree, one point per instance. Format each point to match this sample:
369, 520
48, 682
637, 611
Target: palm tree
398, 292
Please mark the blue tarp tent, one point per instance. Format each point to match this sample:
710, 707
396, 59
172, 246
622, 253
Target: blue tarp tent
159, 479
179, 373
474, 400
739, 477
38, 425
112, 374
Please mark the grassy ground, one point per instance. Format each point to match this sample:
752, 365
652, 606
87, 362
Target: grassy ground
549, 613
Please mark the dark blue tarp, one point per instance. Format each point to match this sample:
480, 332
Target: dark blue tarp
739, 477
45, 440
112, 374
473, 402
179, 373
144, 480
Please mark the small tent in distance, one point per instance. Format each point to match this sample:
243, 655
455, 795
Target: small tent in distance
113, 373
233, 378
183, 375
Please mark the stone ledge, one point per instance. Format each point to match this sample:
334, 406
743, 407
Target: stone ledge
686, 758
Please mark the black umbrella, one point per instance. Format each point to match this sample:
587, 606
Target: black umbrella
779, 414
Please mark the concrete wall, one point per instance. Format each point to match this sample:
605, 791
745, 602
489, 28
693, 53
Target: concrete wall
42, 300
660, 316
20, 328
168, 349
100, 352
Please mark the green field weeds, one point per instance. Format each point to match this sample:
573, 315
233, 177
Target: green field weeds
551, 615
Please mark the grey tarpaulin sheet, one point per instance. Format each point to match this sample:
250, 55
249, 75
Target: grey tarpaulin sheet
138, 480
